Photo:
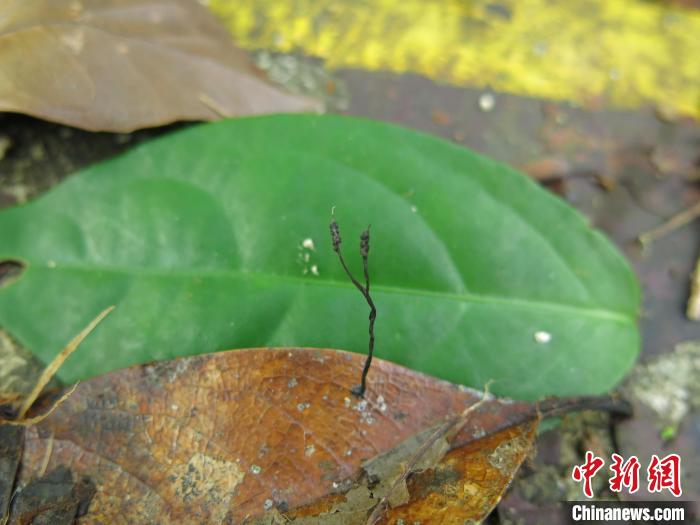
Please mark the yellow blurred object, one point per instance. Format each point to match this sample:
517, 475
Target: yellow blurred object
621, 53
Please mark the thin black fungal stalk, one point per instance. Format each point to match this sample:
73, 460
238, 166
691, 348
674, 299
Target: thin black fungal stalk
364, 290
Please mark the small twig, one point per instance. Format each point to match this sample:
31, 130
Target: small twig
559, 406
692, 311
6, 517
451, 427
364, 290
10, 397
677, 221
29, 421
47, 457
50, 370
214, 106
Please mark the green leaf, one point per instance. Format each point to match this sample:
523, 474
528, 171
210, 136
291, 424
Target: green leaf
198, 239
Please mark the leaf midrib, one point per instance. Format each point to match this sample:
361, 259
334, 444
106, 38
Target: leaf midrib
467, 297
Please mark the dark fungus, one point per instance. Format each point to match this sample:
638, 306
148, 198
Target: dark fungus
336, 240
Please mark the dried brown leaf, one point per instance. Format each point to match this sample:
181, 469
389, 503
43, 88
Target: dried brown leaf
120, 65
462, 486
236, 435
439, 479
56, 498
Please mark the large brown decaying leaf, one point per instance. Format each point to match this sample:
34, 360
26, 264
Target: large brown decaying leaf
266, 435
120, 65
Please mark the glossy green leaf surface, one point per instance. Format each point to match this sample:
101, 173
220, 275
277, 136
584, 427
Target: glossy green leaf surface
216, 237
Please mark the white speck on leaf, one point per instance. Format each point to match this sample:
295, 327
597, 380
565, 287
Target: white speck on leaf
308, 244
543, 337
255, 469
292, 382
365, 412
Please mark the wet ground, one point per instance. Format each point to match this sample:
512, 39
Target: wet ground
627, 170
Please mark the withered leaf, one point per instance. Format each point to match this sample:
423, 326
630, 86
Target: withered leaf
52, 499
120, 65
10, 452
260, 434
461, 487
